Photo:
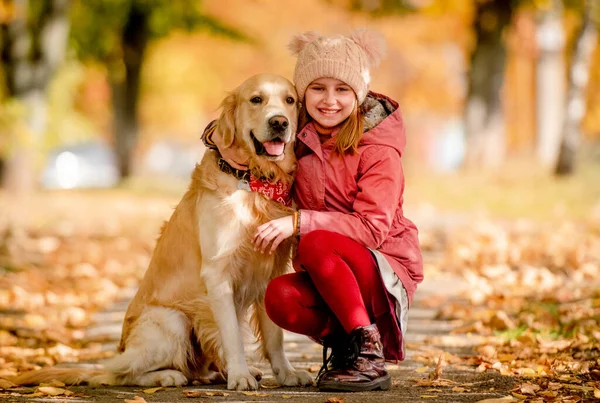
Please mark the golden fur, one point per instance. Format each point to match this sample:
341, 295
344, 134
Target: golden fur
184, 322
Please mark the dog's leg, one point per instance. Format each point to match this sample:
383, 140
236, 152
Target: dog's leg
271, 337
156, 351
220, 293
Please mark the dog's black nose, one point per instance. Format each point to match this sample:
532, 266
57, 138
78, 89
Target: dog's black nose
278, 123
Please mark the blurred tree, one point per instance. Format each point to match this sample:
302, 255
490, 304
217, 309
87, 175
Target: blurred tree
585, 42
484, 118
33, 41
116, 33
483, 106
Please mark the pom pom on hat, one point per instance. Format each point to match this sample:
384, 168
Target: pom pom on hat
299, 41
372, 43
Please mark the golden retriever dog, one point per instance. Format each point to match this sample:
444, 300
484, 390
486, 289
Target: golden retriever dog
184, 323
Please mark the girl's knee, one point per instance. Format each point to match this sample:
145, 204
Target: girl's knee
314, 246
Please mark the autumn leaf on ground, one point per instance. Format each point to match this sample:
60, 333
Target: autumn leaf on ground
4, 384
504, 399
151, 391
529, 388
429, 397
136, 399
335, 400
435, 374
55, 383
200, 393
52, 391
314, 368
256, 394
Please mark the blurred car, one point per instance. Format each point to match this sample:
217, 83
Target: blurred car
88, 165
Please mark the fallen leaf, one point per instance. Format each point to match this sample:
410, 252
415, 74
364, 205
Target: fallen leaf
529, 388
54, 383
286, 396
335, 400
429, 396
270, 386
435, 374
458, 389
597, 393
255, 394
519, 396
136, 399
4, 384
52, 391
314, 368
151, 391
498, 400
200, 393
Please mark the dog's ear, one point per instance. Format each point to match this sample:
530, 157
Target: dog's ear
226, 122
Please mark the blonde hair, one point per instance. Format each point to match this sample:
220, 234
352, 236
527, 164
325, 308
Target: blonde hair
349, 134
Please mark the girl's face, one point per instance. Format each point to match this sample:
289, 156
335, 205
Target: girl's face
329, 101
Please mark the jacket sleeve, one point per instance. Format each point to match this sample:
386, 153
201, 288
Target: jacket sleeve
380, 188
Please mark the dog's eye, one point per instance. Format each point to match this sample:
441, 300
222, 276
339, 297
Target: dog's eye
256, 100
289, 100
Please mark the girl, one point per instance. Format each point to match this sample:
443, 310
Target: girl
358, 260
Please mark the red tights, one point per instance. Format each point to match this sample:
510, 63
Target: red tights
340, 284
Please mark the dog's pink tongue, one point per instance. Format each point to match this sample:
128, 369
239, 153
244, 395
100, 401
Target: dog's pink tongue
274, 147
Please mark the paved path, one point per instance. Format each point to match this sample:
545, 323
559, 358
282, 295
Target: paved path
307, 355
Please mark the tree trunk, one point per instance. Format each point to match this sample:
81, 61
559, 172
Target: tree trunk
30, 56
576, 103
551, 86
483, 112
126, 91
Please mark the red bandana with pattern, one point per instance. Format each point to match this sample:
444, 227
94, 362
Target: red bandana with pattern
277, 191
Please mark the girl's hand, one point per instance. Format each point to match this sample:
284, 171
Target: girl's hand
274, 232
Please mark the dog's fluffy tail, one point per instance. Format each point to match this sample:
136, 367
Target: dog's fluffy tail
68, 376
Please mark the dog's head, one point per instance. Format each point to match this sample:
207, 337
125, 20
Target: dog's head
260, 116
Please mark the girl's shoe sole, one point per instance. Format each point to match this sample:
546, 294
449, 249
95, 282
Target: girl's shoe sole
383, 383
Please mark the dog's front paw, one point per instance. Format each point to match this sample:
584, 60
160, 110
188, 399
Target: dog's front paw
242, 380
294, 377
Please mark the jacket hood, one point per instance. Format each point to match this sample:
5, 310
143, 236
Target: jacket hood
383, 122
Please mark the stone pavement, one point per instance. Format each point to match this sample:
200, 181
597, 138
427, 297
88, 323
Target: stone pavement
306, 354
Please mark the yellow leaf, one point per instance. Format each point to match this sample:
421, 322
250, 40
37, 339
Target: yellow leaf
199, 393
270, 386
4, 384
54, 383
504, 399
255, 394
314, 368
335, 400
597, 393
52, 391
429, 396
458, 389
151, 391
422, 370
286, 396
136, 399
519, 396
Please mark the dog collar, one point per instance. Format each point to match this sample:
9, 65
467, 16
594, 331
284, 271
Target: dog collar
277, 191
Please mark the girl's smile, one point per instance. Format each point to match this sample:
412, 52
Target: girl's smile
329, 101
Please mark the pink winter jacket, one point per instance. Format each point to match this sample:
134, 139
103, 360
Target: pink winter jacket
360, 196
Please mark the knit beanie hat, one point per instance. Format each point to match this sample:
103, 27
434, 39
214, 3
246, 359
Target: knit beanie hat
346, 58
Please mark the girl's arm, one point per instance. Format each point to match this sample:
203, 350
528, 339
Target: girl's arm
380, 189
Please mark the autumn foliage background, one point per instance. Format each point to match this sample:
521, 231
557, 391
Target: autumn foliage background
524, 244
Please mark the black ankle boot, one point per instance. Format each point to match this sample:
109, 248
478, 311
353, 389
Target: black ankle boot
360, 366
